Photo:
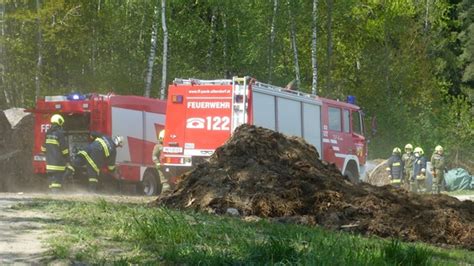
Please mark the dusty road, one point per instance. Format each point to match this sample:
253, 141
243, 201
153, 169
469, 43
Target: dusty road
21, 231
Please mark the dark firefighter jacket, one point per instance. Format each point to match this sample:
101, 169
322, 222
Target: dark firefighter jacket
56, 149
419, 166
99, 153
395, 166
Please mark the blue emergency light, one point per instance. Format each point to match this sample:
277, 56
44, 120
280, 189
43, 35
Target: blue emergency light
351, 99
75, 96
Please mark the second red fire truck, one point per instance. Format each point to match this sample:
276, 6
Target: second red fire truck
202, 114
138, 119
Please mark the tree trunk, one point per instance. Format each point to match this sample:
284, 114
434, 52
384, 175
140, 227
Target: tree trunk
272, 41
165, 50
2, 56
39, 61
294, 45
314, 62
427, 14
225, 46
151, 55
212, 39
330, 4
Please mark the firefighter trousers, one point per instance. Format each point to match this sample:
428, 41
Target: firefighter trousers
164, 182
438, 179
91, 174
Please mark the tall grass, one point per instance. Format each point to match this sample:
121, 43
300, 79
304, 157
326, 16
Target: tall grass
104, 233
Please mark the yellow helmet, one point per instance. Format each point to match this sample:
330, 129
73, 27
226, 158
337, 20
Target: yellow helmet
161, 135
439, 148
408, 147
397, 150
419, 150
57, 119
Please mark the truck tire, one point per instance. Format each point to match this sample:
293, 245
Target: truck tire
150, 185
351, 173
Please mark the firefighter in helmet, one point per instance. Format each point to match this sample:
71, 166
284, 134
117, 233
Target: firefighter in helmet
102, 151
395, 167
156, 159
56, 149
438, 166
418, 183
407, 158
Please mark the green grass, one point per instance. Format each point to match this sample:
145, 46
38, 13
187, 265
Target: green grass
460, 192
116, 233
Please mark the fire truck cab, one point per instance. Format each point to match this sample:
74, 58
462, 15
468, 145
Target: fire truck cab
202, 114
137, 119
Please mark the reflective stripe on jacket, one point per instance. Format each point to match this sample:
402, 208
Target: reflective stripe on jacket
419, 166
56, 149
101, 152
395, 166
438, 162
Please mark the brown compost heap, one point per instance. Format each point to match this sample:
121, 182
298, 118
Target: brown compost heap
263, 173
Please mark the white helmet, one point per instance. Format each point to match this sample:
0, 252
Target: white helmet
118, 141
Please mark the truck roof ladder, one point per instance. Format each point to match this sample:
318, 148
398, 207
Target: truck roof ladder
239, 101
280, 89
192, 81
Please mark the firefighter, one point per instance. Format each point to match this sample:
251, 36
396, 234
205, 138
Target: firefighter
100, 152
156, 159
418, 183
395, 167
56, 149
407, 160
439, 167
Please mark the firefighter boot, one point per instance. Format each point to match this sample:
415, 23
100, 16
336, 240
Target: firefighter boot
413, 186
68, 176
55, 184
93, 184
55, 187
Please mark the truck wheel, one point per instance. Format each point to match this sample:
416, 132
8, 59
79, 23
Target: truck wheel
150, 185
352, 177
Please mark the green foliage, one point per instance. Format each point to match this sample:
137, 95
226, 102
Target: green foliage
102, 232
398, 254
404, 60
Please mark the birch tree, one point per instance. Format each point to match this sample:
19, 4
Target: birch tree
151, 55
212, 38
165, 50
39, 43
272, 41
314, 62
330, 4
427, 15
294, 45
2, 54
225, 47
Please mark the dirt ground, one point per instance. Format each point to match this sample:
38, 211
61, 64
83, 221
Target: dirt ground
259, 172
21, 231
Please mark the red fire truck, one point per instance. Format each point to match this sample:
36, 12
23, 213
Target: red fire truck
137, 119
202, 114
